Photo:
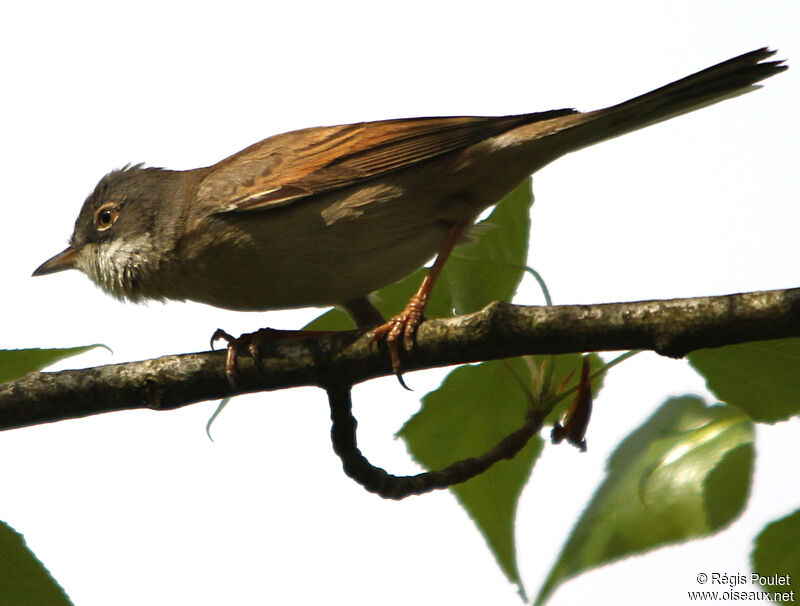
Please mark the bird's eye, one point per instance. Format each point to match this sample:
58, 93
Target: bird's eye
106, 215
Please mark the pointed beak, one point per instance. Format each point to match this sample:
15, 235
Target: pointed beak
63, 260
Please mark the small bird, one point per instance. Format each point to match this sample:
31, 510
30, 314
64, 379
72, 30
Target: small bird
327, 215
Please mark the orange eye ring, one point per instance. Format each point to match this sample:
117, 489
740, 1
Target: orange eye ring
106, 216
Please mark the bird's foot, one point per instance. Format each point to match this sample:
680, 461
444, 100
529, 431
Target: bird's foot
400, 333
252, 342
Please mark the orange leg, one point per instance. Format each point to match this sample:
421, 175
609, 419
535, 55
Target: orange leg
405, 323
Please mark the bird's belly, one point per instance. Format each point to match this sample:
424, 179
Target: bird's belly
317, 252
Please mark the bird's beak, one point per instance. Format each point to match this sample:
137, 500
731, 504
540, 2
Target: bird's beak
63, 260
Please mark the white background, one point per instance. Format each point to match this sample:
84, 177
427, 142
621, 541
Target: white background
141, 508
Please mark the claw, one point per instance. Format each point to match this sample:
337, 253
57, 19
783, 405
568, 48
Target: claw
252, 341
402, 382
220, 334
230, 357
231, 368
401, 330
255, 352
405, 324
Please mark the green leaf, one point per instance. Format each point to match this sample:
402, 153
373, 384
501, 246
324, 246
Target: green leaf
491, 266
761, 378
683, 474
487, 268
16, 363
334, 319
777, 554
23, 578
475, 408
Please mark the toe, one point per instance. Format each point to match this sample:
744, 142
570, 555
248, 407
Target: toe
220, 334
255, 353
230, 365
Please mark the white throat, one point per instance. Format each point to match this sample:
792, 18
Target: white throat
121, 267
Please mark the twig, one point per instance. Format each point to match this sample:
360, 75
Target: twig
379, 481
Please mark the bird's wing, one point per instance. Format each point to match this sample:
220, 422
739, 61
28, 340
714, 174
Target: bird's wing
294, 165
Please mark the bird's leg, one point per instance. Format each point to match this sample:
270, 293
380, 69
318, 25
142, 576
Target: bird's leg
252, 341
363, 312
404, 325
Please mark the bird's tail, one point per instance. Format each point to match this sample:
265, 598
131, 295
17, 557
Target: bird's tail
722, 81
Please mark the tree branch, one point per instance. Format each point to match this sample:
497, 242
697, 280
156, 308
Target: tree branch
500, 330
389, 486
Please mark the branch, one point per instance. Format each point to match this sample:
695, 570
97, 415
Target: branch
500, 330
379, 481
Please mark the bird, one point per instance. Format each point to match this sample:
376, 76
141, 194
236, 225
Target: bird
326, 216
